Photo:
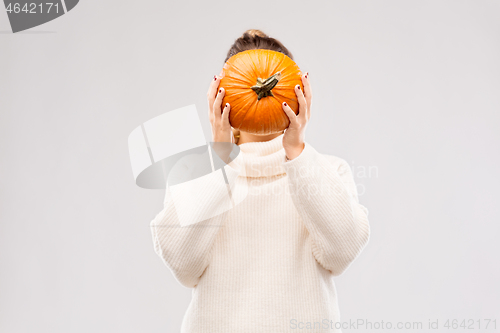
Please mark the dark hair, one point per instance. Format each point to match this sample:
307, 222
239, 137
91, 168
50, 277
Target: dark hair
256, 39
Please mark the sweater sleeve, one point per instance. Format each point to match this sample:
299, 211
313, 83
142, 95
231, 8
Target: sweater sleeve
325, 195
185, 229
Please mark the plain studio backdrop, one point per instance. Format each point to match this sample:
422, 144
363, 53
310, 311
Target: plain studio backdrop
407, 92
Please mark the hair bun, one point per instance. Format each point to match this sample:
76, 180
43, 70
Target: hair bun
255, 32
253, 39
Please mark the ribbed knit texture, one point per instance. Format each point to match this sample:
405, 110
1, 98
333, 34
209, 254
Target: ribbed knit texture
267, 264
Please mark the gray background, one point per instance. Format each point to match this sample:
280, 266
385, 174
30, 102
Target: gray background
410, 88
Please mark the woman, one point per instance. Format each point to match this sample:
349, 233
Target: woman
266, 263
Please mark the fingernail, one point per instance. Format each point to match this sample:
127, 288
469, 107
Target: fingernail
307, 74
284, 103
227, 104
215, 78
220, 90
298, 87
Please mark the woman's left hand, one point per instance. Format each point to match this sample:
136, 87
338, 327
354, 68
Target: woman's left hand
294, 137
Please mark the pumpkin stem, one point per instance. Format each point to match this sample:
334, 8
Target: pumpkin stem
263, 87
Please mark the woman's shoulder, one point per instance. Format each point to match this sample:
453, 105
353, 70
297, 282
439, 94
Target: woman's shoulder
338, 162
334, 159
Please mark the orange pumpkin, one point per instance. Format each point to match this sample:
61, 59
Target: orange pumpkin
256, 83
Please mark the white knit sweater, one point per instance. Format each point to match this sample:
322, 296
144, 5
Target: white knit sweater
267, 263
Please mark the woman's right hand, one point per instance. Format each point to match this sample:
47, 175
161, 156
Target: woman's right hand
219, 119
222, 133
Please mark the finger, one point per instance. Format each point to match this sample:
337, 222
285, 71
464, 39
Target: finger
212, 90
289, 112
307, 88
302, 102
225, 114
218, 102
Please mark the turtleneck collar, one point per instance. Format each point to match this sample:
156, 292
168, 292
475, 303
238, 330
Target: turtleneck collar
261, 159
